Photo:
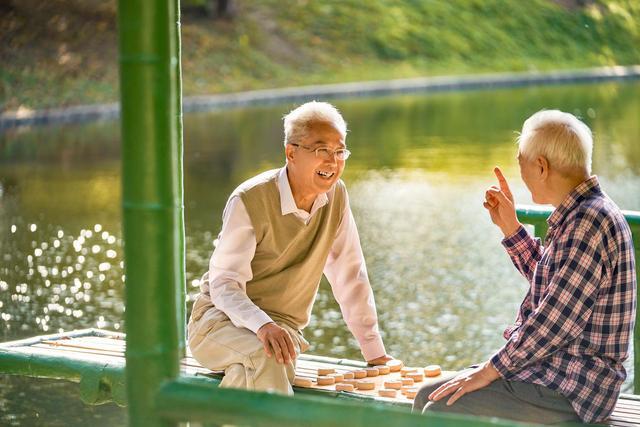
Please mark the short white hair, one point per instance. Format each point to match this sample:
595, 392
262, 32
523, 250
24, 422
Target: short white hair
560, 137
298, 121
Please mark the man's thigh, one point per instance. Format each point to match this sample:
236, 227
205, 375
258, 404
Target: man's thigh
511, 400
422, 398
218, 343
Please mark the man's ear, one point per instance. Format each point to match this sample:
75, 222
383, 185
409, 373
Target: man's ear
289, 152
542, 165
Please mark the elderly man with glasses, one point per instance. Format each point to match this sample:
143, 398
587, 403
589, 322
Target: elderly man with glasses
281, 231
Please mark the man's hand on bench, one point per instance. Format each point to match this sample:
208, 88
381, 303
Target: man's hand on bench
466, 382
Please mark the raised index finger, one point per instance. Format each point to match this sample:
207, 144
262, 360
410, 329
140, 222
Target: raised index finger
502, 181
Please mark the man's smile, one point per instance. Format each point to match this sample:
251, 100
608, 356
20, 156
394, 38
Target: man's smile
325, 174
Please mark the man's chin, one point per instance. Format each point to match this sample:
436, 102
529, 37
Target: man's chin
537, 200
325, 184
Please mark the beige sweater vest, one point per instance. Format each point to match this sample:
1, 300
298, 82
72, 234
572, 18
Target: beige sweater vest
290, 256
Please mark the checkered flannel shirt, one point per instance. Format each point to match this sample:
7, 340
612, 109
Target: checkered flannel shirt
573, 328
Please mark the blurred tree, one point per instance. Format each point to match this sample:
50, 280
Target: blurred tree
572, 4
220, 9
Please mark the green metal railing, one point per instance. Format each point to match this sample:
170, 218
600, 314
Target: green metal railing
100, 382
537, 217
198, 400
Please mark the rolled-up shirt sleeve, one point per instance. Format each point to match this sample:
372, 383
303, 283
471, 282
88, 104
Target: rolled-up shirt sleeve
230, 268
347, 273
564, 311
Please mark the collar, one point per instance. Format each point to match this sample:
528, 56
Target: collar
287, 203
584, 190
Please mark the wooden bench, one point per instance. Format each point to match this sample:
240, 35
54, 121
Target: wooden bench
99, 359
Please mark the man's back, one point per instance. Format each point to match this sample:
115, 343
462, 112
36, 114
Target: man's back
575, 324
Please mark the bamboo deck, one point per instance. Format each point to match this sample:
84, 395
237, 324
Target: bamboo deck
107, 348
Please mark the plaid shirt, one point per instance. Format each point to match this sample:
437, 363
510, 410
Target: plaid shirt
573, 328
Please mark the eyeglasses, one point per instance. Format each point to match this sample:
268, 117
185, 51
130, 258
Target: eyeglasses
326, 154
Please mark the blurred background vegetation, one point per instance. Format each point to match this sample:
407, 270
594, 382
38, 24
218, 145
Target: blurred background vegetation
64, 52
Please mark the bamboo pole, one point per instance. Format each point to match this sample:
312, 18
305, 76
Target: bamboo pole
152, 199
181, 291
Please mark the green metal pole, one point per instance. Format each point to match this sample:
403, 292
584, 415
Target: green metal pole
181, 278
536, 216
152, 199
540, 229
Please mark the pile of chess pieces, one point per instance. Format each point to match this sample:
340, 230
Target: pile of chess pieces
387, 380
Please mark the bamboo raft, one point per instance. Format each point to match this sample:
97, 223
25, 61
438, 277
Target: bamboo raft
100, 347
98, 360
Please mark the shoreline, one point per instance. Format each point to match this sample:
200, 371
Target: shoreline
111, 111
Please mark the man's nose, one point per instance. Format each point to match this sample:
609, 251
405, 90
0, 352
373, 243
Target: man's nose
332, 158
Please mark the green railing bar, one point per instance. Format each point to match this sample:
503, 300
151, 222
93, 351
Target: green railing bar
193, 399
151, 177
542, 213
51, 337
537, 216
99, 382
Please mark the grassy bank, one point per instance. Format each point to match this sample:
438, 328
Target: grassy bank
64, 52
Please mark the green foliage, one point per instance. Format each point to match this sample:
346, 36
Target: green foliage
274, 43
486, 32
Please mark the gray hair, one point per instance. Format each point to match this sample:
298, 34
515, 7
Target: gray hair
298, 121
560, 137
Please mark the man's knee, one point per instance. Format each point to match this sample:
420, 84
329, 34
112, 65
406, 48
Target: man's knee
422, 398
235, 376
267, 374
484, 402
442, 407
259, 361
223, 346
474, 403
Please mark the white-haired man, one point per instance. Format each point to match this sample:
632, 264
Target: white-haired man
564, 353
281, 230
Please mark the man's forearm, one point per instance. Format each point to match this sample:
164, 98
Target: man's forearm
524, 251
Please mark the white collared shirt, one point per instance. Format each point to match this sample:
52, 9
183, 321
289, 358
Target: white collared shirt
230, 270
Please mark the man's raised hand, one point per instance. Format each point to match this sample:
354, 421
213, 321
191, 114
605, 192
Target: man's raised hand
499, 202
277, 342
504, 185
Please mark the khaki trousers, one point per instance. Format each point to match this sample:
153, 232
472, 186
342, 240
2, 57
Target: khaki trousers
219, 345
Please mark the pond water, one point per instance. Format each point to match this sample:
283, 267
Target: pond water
444, 287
